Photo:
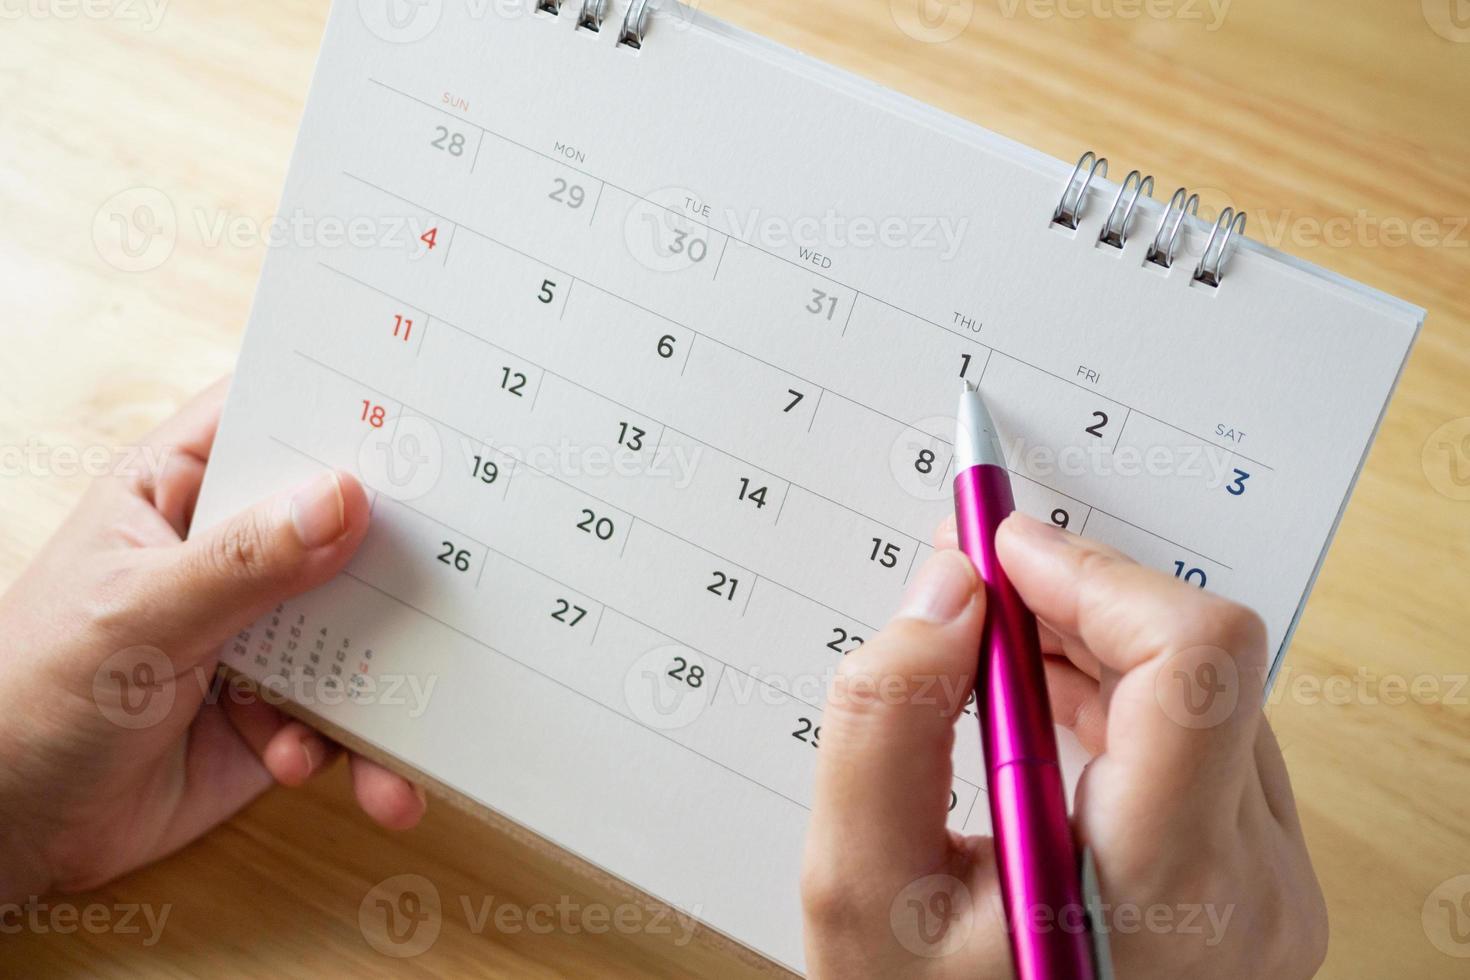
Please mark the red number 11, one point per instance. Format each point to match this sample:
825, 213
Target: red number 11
401, 324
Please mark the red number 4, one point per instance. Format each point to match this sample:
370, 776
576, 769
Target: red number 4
430, 238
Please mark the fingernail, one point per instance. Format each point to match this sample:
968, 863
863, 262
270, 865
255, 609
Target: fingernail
942, 590
423, 796
318, 512
312, 759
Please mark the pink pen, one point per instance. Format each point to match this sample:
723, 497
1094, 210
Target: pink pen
1040, 875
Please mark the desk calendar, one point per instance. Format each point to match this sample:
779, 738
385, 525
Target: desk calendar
645, 335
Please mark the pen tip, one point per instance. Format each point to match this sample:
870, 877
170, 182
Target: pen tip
969, 386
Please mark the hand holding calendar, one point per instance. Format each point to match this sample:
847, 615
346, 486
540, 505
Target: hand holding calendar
120, 747
1196, 825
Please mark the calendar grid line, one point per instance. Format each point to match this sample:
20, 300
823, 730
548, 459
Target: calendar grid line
688, 354
603, 607
724, 664
782, 507
592, 218
613, 295
1122, 429
566, 300
479, 145
602, 604
973, 803
858, 293
815, 409
591, 496
731, 455
721, 260
449, 245
597, 626
627, 535
612, 401
567, 687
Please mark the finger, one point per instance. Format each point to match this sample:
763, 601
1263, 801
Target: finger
192, 429
1275, 780
1190, 665
386, 797
199, 593
883, 773
1077, 704
297, 752
291, 751
946, 536
171, 468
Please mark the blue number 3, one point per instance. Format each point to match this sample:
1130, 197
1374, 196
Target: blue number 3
1238, 487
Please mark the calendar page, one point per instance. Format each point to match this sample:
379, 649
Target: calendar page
649, 358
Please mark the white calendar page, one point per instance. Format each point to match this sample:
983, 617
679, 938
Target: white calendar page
649, 359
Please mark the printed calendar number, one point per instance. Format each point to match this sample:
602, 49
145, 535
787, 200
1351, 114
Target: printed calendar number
513, 382
1096, 429
666, 346
601, 528
925, 463
683, 243
447, 141
843, 642
630, 436
724, 586
823, 305
455, 557
402, 327
808, 731
686, 673
1061, 518
1237, 488
374, 415
568, 194
430, 238
486, 471
885, 553
548, 291
755, 495
965, 360
567, 612
1192, 575
954, 800
796, 399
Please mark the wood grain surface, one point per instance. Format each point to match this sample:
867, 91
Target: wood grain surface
1341, 126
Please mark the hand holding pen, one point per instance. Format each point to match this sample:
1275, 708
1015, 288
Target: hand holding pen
1186, 804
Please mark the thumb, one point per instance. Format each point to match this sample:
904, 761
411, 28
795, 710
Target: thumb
210, 587
884, 774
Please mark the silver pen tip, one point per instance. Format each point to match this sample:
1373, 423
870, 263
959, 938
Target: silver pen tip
976, 440
969, 386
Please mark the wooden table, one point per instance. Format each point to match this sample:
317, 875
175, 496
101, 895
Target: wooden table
1341, 126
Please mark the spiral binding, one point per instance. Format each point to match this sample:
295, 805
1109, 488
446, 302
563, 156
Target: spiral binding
1211, 268
1212, 263
635, 21
1115, 229
1159, 252
590, 17
1070, 206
